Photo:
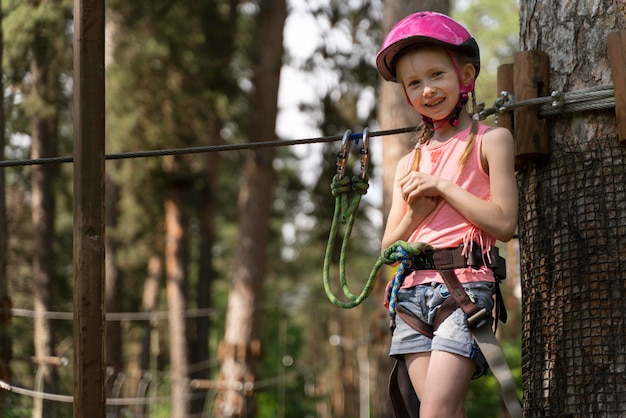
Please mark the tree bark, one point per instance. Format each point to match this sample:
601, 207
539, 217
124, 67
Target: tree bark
572, 237
114, 357
254, 211
206, 274
176, 262
150, 349
112, 284
5, 300
394, 112
44, 144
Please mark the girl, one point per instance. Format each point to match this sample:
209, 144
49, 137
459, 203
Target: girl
456, 189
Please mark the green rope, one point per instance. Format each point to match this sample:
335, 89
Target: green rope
346, 215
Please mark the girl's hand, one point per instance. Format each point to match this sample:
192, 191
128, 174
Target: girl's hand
422, 205
415, 184
408, 208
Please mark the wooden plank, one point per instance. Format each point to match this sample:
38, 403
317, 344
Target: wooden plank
532, 79
616, 45
505, 83
89, 309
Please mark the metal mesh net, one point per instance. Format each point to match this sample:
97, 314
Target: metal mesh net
573, 256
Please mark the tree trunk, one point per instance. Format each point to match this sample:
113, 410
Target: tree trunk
112, 285
114, 358
5, 301
572, 237
150, 349
394, 112
254, 211
206, 274
44, 144
150, 303
176, 261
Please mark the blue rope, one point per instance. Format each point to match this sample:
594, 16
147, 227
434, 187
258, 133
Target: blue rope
405, 258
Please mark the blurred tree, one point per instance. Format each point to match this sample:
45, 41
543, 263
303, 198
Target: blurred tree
43, 47
495, 25
5, 299
188, 75
241, 337
340, 68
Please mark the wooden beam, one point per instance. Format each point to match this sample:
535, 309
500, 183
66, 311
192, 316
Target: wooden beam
89, 308
616, 45
505, 83
532, 80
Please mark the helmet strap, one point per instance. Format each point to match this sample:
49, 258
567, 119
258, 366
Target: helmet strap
452, 118
464, 88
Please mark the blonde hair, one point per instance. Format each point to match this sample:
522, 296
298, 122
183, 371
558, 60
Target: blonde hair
426, 133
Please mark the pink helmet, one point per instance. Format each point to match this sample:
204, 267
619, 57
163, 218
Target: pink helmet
425, 28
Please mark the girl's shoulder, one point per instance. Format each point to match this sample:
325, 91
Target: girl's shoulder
496, 137
496, 132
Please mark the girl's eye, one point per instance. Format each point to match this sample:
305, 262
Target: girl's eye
414, 83
437, 74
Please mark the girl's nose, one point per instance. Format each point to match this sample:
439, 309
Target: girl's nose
428, 91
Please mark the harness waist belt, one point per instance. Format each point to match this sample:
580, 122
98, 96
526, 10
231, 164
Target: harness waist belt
453, 258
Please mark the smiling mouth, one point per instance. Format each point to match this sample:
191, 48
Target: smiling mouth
435, 102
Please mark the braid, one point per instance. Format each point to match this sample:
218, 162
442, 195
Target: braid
472, 135
426, 133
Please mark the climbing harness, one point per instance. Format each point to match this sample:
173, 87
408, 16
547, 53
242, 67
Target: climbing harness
445, 261
345, 214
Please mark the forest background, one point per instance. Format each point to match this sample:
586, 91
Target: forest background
185, 234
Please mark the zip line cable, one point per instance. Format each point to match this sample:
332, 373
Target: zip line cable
114, 316
591, 98
204, 149
70, 399
147, 400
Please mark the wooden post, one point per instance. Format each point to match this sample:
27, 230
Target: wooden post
505, 83
616, 45
89, 310
532, 80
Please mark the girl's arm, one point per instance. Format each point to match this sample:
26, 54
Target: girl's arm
403, 219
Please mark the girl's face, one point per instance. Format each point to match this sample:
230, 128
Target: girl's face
431, 82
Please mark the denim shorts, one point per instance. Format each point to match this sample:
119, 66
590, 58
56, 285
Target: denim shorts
453, 335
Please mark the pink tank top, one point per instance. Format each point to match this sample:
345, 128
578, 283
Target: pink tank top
445, 227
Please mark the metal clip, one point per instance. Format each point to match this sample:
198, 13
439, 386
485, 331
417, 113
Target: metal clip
477, 319
365, 153
502, 102
342, 155
557, 100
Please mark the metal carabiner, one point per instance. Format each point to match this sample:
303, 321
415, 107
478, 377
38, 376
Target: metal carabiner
365, 153
342, 155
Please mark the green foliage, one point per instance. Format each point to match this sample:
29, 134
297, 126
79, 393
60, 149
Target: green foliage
495, 25
14, 406
483, 397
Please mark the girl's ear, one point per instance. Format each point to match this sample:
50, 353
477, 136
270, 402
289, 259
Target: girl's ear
469, 73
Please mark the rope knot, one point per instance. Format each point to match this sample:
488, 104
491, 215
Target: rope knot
402, 252
340, 186
360, 185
